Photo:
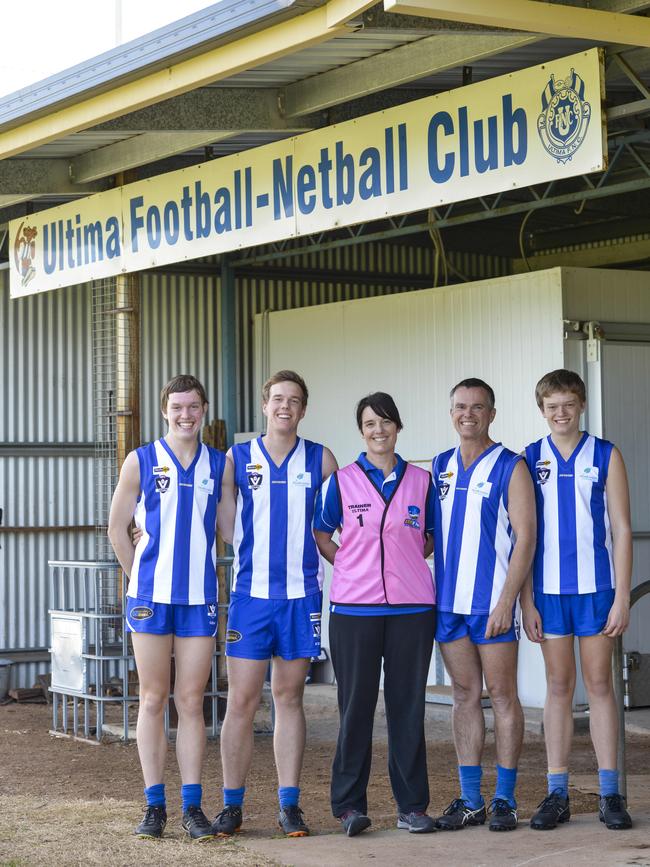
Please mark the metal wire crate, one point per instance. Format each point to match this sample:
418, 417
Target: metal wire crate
94, 681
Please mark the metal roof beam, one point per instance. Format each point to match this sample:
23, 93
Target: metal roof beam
20, 179
220, 108
551, 19
398, 66
315, 26
138, 151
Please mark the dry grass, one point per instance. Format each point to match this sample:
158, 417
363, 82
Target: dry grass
35, 832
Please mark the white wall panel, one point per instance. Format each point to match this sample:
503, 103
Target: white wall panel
507, 331
607, 295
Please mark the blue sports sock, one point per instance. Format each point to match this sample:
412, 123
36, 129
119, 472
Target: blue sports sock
155, 795
233, 797
288, 796
191, 795
558, 782
608, 781
470, 785
506, 781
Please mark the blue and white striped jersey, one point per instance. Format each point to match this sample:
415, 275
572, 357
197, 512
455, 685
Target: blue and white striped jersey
472, 533
275, 551
574, 540
177, 512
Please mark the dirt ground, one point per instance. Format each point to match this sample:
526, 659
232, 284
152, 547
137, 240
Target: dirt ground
66, 802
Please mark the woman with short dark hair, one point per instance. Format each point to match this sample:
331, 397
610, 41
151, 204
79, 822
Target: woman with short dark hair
382, 609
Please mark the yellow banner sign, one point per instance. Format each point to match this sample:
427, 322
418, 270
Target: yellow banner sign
532, 126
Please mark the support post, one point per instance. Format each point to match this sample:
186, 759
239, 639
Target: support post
619, 692
228, 349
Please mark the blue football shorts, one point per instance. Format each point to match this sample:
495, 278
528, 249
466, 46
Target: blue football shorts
451, 627
161, 618
263, 628
580, 614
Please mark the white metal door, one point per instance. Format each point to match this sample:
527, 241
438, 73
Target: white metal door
625, 378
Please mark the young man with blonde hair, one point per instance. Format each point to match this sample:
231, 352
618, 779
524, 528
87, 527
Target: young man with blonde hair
581, 588
276, 599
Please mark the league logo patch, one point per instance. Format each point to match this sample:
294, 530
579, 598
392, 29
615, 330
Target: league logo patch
563, 123
482, 488
543, 475
232, 636
162, 484
413, 515
254, 479
589, 474
443, 490
141, 613
206, 485
212, 612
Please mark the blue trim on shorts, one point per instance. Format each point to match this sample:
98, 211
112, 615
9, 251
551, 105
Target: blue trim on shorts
452, 627
264, 628
162, 618
581, 614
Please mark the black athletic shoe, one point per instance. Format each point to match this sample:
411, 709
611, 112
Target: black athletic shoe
459, 815
290, 819
503, 817
153, 823
551, 812
613, 812
227, 822
354, 822
416, 823
197, 825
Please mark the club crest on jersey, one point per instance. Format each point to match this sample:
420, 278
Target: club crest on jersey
303, 480
543, 474
162, 484
563, 123
413, 516
254, 479
443, 490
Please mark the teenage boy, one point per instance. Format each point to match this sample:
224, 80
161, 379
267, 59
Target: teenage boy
276, 599
484, 538
580, 587
172, 487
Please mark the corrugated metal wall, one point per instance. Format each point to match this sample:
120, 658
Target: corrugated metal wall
180, 324
46, 368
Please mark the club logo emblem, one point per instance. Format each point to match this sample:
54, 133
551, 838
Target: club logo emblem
162, 484
25, 253
563, 123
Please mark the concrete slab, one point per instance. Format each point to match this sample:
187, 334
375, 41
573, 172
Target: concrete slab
582, 841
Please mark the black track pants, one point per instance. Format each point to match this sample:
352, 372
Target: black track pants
358, 645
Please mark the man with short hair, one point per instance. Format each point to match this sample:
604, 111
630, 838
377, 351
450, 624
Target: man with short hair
581, 585
484, 539
172, 487
276, 599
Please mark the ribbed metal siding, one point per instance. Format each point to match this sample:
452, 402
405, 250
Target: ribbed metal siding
257, 295
179, 334
46, 366
45, 370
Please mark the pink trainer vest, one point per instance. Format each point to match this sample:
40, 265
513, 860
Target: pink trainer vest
380, 559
